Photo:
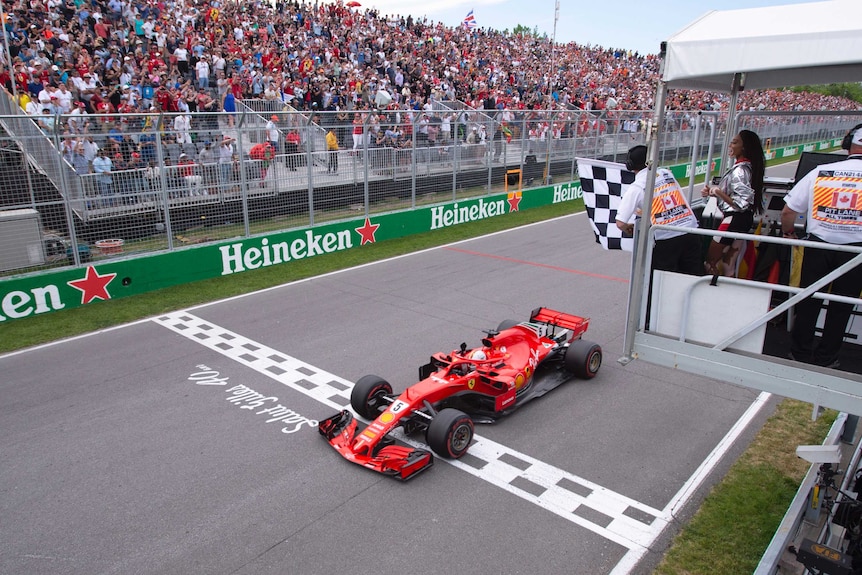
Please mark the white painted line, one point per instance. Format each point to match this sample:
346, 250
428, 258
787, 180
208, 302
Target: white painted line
620, 519
675, 505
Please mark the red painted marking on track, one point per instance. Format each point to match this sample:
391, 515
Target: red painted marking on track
557, 268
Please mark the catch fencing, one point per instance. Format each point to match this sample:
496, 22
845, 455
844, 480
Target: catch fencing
114, 184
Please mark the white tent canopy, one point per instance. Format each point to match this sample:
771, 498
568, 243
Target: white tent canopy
757, 48
791, 45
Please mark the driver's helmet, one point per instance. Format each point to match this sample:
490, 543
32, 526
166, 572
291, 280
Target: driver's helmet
479, 355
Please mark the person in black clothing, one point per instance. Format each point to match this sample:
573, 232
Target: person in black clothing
498, 141
825, 191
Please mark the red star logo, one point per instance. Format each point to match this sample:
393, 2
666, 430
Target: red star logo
514, 200
367, 232
93, 286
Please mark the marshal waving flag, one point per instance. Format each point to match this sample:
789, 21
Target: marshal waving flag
470, 21
603, 185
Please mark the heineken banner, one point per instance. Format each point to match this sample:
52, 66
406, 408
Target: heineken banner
114, 278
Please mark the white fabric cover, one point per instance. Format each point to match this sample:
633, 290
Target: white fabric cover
790, 45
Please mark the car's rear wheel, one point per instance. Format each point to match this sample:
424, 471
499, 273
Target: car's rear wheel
450, 433
368, 396
584, 358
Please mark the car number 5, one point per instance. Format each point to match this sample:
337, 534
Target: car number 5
397, 406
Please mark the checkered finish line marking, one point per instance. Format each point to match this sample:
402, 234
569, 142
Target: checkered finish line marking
615, 517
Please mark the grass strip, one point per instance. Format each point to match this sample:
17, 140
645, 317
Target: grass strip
732, 528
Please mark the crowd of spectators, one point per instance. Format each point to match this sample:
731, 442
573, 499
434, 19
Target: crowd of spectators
178, 55
92, 59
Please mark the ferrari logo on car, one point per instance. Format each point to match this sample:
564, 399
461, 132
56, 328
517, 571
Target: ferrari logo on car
471, 383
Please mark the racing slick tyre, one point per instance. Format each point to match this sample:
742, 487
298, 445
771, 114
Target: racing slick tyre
450, 433
506, 324
583, 358
367, 397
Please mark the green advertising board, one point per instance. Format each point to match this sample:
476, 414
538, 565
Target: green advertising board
110, 279
26, 296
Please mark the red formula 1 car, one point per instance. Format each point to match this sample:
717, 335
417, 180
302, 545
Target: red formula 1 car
516, 362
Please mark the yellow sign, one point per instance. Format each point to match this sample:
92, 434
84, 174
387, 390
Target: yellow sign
827, 552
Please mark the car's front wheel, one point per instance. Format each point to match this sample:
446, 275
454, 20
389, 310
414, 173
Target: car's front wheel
450, 433
368, 396
584, 358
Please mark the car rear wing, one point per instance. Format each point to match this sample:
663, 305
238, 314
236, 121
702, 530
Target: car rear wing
553, 318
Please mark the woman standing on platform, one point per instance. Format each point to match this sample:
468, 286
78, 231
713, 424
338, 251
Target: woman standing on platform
740, 197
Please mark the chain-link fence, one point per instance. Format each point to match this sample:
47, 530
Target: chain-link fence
79, 187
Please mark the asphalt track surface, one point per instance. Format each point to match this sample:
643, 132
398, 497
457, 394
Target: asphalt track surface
140, 449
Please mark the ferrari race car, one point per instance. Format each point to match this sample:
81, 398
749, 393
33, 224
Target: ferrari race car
516, 362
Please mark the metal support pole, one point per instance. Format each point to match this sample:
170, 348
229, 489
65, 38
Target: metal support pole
737, 86
413, 158
695, 154
163, 178
640, 272
309, 160
365, 137
455, 156
243, 181
710, 149
67, 203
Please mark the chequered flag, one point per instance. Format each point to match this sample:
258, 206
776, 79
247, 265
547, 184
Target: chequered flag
603, 184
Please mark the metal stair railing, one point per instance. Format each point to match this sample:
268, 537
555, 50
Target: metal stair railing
39, 149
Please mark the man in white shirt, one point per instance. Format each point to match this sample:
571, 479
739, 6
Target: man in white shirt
674, 251
64, 99
33, 108
183, 127
87, 85
91, 149
45, 95
219, 64
272, 133
103, 166
77, 119
225, 160
149, 27
830, 196
202, 70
